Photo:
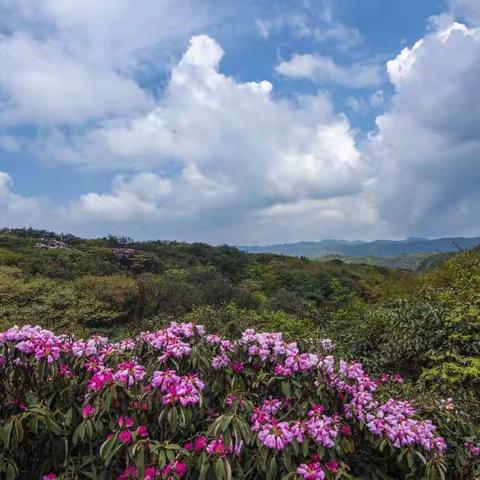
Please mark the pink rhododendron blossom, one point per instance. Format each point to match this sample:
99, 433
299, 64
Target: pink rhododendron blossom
473, 449
88, 411
125, 422
142, 431
311, 471
332, 466
125, 437
275, 435
129, 473
129, 372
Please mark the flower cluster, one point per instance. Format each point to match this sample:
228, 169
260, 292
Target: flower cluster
184, 390
180, 402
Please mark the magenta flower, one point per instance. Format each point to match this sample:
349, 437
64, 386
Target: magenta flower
129, 473
200, 443
472, 449
332, 466
63, 370
125, 437
181, 469
178, 468
311, 471
125, 422
275, 435
88, 411
216, 447
165, 379
237, 367
151, 473
142, 431
129, 372
100, 379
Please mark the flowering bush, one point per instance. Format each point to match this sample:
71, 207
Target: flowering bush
178, 403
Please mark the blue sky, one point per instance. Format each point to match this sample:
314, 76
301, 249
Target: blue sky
241, 122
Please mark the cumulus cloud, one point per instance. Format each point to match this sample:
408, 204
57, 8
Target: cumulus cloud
205, 156
235, 155
427, 146
212, 125
77, 61
17, 210
466, 9
50, 86
322, 69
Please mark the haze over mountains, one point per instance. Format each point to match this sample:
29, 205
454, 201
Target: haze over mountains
358, 248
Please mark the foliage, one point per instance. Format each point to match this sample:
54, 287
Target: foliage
177, 403
424, 325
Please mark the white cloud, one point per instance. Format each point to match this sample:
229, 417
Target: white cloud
236, 158
427, 146
209, 157
218, 127
16, 210
364, 104
376, 99
322, 69
74, 61
467, 9
315, 20
50, 86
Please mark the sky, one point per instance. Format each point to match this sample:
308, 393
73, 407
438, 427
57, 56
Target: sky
241, 122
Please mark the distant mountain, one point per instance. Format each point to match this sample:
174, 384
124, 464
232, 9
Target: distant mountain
376, 248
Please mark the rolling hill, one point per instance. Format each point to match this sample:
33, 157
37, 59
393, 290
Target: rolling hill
376, 248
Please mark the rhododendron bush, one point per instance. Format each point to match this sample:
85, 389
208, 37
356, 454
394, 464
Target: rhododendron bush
179, 403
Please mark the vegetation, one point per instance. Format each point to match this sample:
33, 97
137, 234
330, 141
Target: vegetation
423, 326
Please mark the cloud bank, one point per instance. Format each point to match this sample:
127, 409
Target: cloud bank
203, 155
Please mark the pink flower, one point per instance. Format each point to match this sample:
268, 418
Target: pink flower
50, 476
181, 469
129, 372
473, 449
216, 447
129, 473
125, 422
272, 406
125, 437
237, 367
151, 473
200, 443
346, 431
100, 379
332, 466
142, 431
275, 435
311, 471
397, 378
63, 371
88, 411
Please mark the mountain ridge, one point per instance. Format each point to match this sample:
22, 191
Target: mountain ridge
359, 248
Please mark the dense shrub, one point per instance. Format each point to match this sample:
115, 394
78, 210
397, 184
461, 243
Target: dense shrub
178, 403
117, 296
230, 321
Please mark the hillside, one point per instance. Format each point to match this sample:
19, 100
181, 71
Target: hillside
115, 283
417, 334
376, 248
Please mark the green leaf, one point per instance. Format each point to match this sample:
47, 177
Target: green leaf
5, 434
272, 469
219, 469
